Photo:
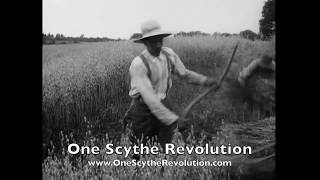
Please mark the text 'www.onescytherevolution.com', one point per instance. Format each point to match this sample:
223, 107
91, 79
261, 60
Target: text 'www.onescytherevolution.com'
159, 163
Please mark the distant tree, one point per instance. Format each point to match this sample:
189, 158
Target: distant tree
44, 37
225, 34
192, 33
196, 33
215, 34
50, 36
248, 34
181, 33
267, 22
58, 36
136, 36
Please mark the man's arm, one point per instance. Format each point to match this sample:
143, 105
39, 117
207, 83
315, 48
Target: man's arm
192, 77
245, 73
139, 78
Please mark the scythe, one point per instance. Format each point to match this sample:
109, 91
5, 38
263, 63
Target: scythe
213, 88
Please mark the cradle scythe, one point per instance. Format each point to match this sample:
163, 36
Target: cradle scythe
213, 88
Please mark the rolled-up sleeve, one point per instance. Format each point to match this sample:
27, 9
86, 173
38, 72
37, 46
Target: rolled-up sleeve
245, 73
181, 71
139, 78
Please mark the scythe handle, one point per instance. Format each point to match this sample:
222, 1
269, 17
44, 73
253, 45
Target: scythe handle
213, 88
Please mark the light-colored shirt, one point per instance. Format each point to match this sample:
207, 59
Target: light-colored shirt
153, 89
247, 71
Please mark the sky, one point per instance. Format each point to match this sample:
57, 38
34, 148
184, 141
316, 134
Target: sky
121, 18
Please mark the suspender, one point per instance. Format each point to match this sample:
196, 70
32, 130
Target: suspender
169, 66
144, 60
169, 70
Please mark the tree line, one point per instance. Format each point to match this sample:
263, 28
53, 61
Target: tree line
248, 34
61, 39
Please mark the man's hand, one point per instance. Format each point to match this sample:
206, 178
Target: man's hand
210, 82
241, 81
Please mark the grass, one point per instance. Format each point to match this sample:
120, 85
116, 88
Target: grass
85, 94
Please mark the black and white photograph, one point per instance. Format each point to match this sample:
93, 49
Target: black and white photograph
157, 90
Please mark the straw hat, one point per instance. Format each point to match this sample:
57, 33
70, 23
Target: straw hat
151, 28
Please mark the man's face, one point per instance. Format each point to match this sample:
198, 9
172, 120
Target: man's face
154, 45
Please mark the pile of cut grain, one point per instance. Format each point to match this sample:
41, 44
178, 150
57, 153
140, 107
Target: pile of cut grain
260, 135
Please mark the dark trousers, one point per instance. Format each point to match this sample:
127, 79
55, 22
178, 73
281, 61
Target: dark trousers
145, 126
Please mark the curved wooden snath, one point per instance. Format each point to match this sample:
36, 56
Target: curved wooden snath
213, 88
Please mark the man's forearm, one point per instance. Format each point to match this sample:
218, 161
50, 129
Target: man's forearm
159, 110
155, 105
195, 78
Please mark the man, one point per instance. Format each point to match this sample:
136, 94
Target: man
259, 81
263, 66
150, 115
